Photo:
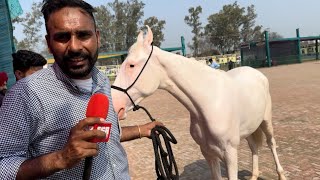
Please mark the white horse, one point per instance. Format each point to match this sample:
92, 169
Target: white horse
224, 106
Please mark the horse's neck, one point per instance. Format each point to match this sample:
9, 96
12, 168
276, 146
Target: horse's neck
183, 77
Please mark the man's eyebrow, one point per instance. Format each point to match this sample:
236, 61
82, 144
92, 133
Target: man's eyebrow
84, 31
77, 32
61, 33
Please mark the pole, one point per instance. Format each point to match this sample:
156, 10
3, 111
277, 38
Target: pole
317, 50
298, 45
183, 46
266, 36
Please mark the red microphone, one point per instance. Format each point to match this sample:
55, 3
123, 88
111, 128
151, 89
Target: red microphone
98, 106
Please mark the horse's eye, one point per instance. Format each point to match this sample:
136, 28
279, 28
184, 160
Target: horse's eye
131, 65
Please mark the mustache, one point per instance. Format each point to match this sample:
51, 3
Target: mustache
73, 56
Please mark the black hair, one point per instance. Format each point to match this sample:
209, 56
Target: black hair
24, 59
51, 6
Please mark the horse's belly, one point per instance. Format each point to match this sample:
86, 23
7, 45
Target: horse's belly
251, 118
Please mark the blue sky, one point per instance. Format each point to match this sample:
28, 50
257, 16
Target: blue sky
282, 16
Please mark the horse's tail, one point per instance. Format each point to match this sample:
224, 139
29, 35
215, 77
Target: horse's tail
258, 137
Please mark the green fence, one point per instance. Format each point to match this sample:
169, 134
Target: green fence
279, 51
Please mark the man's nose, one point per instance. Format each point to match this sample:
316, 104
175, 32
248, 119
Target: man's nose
75, 45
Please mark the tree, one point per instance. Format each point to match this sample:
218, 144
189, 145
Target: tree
193, 20
157, 27
274, 35
127, 17
104, 21
232, 25
119, 25
223, 27
32, 25
249, 31
134, 15
207, 48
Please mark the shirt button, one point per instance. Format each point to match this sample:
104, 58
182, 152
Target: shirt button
114, 165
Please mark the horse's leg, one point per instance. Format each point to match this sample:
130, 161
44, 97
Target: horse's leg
214, 164
231, 160
255, 163
267, 128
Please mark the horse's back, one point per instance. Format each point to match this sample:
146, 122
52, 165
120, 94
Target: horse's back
246, 74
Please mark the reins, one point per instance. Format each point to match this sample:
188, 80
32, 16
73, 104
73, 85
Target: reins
164, 161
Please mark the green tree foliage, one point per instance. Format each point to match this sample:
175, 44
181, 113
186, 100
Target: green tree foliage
193, 20
134, 15
104, 21
249, 31
157, 27
119, 25
232, 25
127, 18
32, 25
206, 48
274, 35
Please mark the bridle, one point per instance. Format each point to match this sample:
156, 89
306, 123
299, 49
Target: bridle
164, 161
135, 106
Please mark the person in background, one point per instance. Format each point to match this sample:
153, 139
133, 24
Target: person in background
26, 63
230, 64
44, 130
3, 85
214, 64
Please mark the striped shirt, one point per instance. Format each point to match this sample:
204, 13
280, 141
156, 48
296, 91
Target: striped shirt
37, 115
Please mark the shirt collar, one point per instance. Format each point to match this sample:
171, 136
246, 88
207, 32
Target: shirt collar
98, 78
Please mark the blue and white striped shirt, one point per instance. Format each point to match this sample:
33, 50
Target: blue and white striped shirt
37, 115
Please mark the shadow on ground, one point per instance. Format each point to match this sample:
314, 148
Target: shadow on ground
200, 170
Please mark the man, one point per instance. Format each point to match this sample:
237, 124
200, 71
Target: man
230, 64
44, 128
26, 63
214, 64
3, 85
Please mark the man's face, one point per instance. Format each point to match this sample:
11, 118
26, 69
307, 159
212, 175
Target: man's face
3, 88
73, 41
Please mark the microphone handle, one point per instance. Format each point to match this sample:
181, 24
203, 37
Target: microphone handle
87, 168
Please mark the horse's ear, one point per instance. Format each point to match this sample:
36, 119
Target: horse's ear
140, 38
149, 37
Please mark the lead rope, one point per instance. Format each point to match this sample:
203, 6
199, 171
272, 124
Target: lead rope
164, 160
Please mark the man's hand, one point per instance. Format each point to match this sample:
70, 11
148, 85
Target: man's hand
78, 145
133, 132
146, 128
76, 149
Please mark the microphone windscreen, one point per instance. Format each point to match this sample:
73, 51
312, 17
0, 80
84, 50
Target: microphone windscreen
98, 106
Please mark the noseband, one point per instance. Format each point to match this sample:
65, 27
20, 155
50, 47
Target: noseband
135, 106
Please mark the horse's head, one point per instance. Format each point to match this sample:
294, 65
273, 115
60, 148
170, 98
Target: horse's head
147, 82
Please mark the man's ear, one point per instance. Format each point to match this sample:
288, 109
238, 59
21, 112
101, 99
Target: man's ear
48, 42
98, 38
19, 74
